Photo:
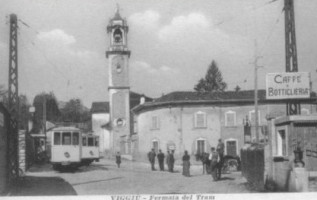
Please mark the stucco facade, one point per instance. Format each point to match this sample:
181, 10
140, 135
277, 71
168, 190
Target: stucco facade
196, 126
176, 128
98, 120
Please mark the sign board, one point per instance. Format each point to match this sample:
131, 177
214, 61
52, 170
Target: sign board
288, 85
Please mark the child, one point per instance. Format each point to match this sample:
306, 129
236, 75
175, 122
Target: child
118, 159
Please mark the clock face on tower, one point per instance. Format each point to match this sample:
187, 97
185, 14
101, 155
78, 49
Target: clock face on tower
118, 64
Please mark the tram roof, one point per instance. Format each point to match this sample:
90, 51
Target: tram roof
68, 128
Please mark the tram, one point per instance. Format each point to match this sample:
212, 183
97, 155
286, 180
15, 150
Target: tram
69, 147
90, 149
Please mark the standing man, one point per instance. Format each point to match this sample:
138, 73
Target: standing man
205, 162
172, 160
213, 157
220, 150
160, 158
118, 159
168, 157
151, 156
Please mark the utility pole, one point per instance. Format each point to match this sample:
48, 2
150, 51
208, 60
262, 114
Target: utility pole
292, 107
13, 101
256, 109
44, 123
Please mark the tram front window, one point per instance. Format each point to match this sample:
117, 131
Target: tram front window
90, 142
75, 138
66, 138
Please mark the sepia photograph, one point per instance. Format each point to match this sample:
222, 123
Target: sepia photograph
158, 99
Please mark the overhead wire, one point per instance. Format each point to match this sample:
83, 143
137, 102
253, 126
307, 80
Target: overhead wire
267, 38
56, 68
216, 24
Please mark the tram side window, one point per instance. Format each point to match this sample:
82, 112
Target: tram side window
57, 138
75, 138
96, 141
84, 141
90, 142
66, 138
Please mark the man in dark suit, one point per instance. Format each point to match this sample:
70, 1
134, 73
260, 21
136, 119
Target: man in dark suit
172, 160
151, 156
160, 158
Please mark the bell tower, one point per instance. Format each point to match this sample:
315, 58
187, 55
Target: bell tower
119, 88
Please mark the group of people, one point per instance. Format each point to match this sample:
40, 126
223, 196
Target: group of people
212, 163
160, 157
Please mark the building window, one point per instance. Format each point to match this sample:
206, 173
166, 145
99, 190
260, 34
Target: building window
155, 145
252, 117
231, 147
155, 122
281, 143
304, 111
200, 120
200, 146
230, 118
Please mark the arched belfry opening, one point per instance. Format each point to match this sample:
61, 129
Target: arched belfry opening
117, 35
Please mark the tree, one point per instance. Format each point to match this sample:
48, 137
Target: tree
3, 95
213, 81
52, 111
75, 111
24, 106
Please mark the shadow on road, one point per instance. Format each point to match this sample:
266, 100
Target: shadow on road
226, 178
43, 186
92, 168
40, 167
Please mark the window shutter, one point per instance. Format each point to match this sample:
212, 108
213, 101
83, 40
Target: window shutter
200, 119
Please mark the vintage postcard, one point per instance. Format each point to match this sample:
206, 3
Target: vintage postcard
158, 100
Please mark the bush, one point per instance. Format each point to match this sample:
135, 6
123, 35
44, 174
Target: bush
252, 166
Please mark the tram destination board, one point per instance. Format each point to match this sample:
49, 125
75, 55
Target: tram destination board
288, 85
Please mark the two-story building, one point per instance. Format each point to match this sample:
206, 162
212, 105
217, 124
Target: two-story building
195, 121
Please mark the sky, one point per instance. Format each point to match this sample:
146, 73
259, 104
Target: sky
62, 44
